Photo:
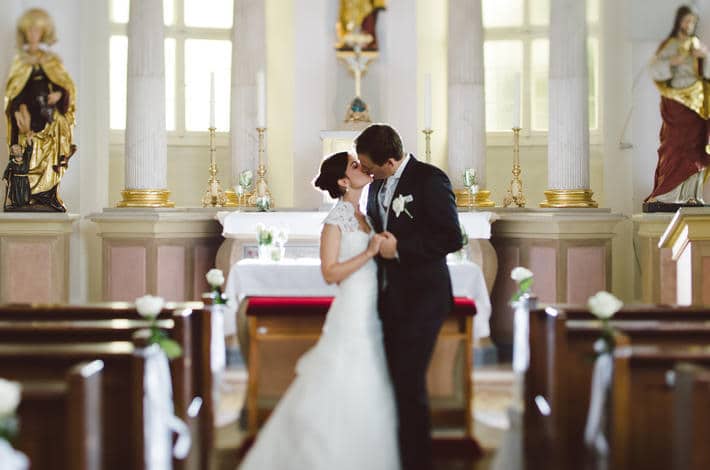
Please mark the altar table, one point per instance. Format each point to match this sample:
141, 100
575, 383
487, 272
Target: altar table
303, 278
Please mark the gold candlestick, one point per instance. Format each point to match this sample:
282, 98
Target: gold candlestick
515, 190
427, 135
214, 195
261, 196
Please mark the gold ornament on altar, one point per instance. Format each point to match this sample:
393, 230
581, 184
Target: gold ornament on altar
515, 189
214, 196
261, 197
40, 107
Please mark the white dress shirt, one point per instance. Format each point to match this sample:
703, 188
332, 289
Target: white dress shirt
384, 197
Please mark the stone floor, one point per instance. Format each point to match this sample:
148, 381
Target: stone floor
492, 395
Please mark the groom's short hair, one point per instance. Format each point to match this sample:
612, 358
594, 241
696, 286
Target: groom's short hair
380, 142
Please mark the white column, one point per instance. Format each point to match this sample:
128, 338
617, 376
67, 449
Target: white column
146, 145
248, 57
314, 69
467, 103
398, 71
568, 137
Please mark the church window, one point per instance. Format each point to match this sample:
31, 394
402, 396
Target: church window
516, 50
197, 45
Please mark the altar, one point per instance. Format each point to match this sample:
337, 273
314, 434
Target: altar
304, 227
474, 281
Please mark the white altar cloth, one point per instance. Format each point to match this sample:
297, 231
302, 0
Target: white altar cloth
302, 278
307, 224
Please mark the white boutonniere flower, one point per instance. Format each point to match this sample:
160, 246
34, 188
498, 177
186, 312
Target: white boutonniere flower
398, 205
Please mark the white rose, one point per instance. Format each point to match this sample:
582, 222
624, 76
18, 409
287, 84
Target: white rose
604, 305
9, 397
519, 274
149, 306
215, 277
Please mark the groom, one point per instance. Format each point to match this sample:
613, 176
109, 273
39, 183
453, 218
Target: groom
413, 205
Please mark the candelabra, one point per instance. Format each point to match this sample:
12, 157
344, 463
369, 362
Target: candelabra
214, 195
261, 196
515, 189
427, 136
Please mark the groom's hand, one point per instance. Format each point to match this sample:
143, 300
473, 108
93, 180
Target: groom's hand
388, 248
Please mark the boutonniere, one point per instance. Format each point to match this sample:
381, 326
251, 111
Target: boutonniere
399, 203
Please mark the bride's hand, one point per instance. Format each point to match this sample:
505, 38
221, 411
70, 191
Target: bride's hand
374, 247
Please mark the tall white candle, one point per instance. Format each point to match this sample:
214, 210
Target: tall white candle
516, 101
212, 120
260, 99
427, 101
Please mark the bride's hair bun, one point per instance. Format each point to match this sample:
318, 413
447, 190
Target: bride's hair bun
331, 170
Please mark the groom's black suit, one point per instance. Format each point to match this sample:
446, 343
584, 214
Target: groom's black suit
415, 294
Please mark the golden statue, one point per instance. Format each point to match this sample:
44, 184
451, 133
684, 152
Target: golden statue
40, 108
358, 16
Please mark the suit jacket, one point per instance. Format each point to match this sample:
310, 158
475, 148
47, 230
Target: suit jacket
418, 281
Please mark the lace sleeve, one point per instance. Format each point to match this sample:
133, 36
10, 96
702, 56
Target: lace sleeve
342, 216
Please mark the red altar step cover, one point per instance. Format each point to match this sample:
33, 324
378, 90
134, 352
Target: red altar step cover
463, 306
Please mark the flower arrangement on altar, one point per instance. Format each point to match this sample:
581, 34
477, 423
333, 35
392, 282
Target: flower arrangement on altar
149, 307
271, 242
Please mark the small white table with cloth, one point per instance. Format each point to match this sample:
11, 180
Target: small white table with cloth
302, 278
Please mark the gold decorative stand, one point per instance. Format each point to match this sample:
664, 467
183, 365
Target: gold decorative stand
214, 195
515, 189
427, 137
261, 192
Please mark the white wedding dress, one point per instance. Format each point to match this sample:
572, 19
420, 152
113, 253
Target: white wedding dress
339, 412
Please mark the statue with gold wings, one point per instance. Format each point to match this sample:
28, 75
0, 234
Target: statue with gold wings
40, 103
358, 16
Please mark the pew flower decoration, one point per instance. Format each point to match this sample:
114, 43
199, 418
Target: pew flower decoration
215, 278
524, 278
9, 400
604, 305
149, 307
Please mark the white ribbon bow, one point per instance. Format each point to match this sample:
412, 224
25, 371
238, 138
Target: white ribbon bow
11, 459
159, 420
521, 346
594, 436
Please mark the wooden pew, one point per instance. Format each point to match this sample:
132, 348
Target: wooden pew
641, 427
60, 420
691, 417
189, 324
282, 329
122, 388
561, 362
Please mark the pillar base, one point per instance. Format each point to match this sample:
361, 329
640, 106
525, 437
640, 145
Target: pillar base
569, 198
465, 199
145, 198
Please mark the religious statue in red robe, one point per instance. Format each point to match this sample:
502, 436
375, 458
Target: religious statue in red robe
677, 69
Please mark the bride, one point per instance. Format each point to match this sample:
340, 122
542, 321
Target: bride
339, 413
